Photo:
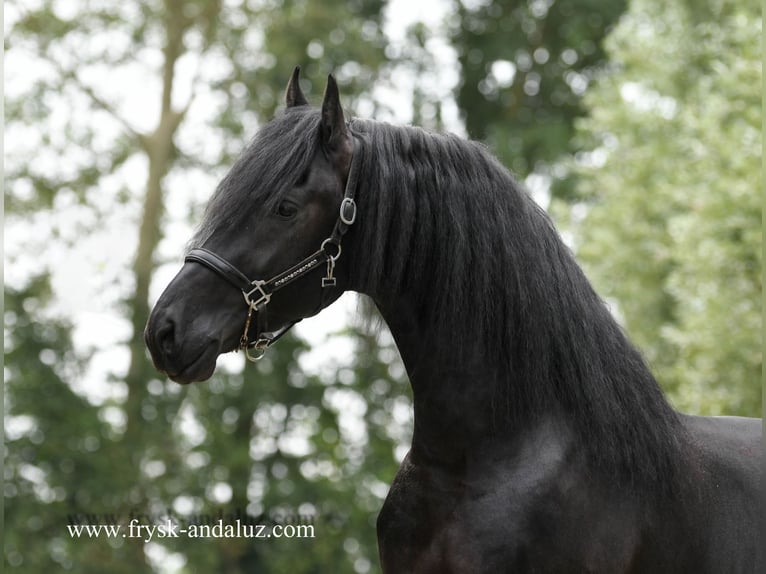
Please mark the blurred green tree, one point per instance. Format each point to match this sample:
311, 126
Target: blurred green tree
525, 66
671, 225
58, 456
165, 89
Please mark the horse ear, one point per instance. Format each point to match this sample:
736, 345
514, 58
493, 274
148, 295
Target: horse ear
293, 94
335, 136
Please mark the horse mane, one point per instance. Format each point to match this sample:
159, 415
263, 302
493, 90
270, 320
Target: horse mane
442, 221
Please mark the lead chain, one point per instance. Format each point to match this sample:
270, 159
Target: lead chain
243, 339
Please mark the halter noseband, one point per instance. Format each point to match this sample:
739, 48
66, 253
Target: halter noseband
258, 293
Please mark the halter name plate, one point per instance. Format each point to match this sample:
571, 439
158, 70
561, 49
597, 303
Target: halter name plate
297, 273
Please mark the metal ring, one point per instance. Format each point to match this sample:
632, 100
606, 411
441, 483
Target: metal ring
254, 358
331, 241
347, 201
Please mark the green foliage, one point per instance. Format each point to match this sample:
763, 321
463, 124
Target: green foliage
344, 38
525, 66
672, 231
61, 454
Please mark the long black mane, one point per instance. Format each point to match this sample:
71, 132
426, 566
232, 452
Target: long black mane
443, 222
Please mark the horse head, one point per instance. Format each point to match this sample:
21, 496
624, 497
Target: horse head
265, 254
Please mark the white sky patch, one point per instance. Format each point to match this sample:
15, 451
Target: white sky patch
440, 81
539, 186
163, 560
504, 71
647, 100
400, 14
18, 426
328, 351
350, 407
189, 426
219, 492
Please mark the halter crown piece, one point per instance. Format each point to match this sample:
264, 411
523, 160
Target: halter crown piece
258, 292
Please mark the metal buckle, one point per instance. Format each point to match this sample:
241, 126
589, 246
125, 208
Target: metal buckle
261, 343
347, 202
262, 300
329, 279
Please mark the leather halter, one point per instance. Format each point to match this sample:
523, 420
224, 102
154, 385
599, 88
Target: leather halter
258, 292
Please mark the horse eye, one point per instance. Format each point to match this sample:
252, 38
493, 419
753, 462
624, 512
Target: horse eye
287, 209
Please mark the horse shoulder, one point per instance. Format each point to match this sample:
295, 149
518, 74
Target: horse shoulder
533, 508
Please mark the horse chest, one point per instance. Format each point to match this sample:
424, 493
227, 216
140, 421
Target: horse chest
526, 519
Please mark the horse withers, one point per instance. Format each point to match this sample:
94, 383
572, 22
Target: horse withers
542, 442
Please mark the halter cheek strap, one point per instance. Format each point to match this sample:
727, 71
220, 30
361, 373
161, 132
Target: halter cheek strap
257, 293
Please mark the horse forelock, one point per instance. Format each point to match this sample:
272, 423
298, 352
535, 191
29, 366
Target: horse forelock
272, 163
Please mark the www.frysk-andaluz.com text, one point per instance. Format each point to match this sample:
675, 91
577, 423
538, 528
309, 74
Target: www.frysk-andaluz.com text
171, 529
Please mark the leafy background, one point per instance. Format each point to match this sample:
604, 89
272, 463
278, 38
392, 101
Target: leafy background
635, 123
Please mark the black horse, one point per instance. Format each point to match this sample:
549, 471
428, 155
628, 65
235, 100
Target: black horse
542, 442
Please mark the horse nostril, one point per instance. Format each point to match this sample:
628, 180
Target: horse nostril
165, 338
160, 338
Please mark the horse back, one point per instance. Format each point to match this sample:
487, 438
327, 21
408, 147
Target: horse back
726, 501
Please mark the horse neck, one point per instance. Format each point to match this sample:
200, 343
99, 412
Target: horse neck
459, 404
499, 331
471, 406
